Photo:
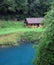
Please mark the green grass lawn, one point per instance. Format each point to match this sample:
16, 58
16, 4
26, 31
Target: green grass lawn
13, 30
11, 24
10, 31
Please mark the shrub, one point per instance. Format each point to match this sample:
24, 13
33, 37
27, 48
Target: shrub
31, 36
45, 51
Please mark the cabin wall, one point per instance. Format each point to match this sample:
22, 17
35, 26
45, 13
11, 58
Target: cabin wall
34, 26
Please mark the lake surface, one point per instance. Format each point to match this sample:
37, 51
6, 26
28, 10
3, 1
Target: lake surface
21, 55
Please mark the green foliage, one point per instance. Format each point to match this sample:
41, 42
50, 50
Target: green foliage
31, 36
38, 8
20, 9
45, 53
13, 9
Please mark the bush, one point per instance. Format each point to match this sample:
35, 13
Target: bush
31, 36
45, 52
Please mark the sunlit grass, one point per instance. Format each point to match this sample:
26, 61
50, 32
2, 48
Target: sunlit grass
9, 38
13, 30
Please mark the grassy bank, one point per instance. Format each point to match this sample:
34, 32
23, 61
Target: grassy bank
11, 32
15, 37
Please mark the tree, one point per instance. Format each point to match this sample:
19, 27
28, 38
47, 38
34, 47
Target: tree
38, 8
45, 55
13, 7
7, 7
21, 9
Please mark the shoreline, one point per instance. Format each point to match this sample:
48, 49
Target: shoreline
8, 45
15, 44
